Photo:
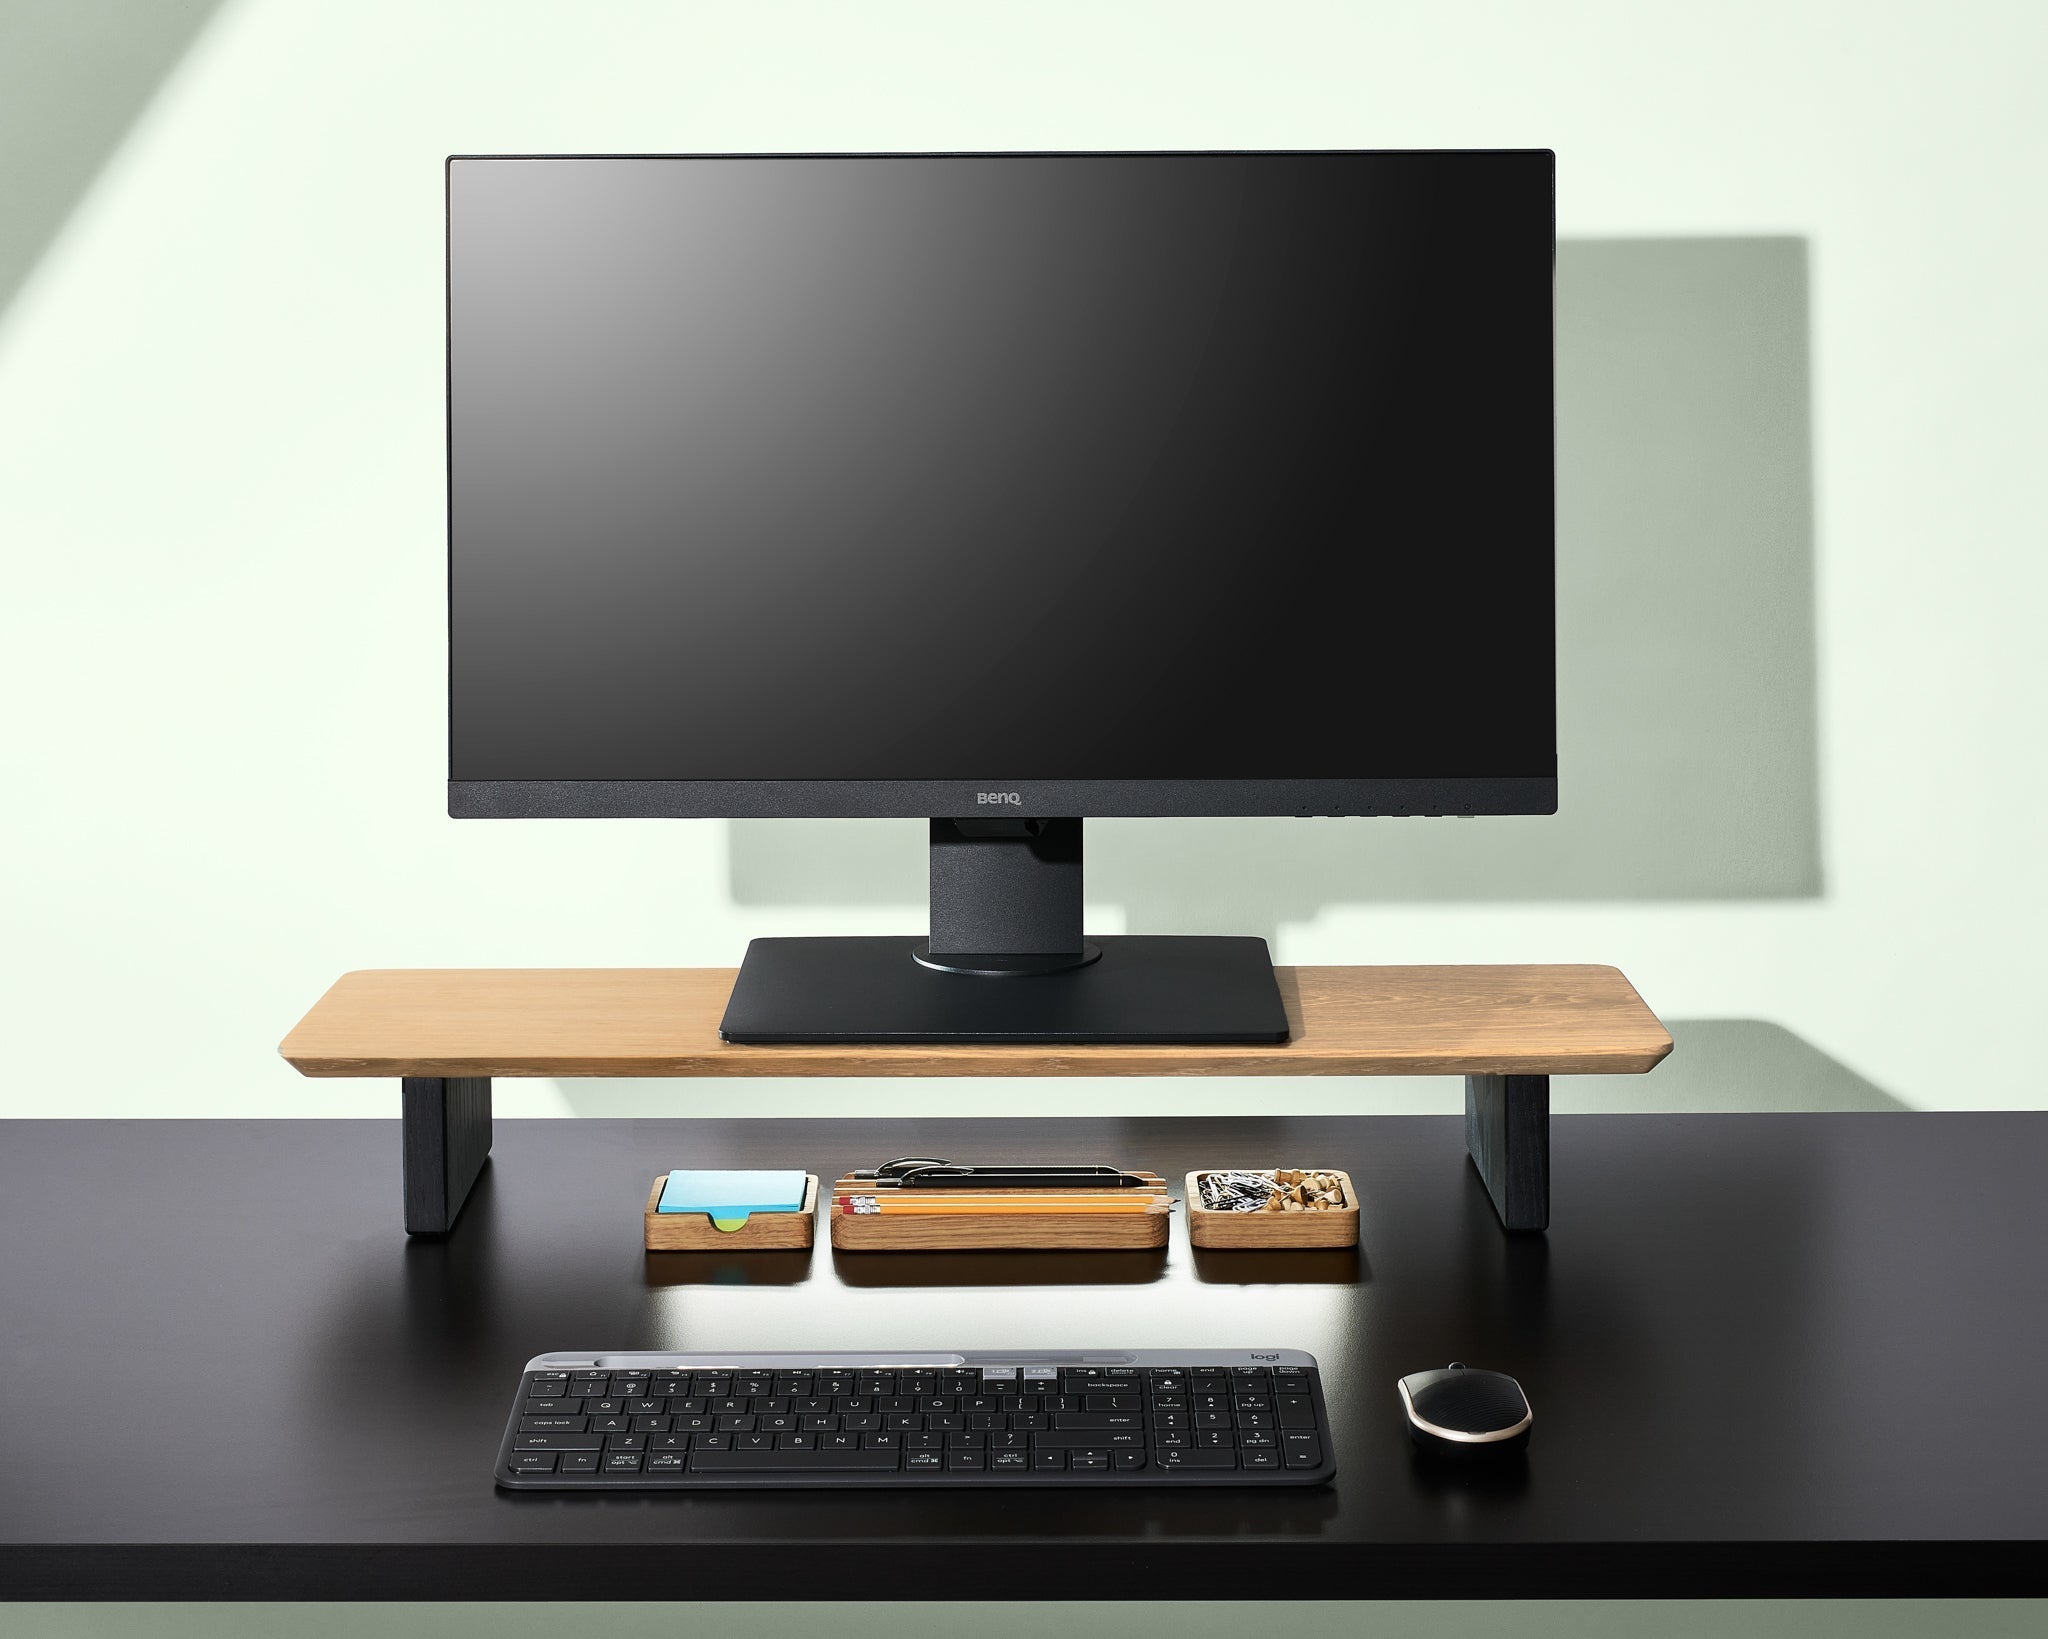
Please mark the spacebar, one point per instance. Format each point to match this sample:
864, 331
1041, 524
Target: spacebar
788, 1462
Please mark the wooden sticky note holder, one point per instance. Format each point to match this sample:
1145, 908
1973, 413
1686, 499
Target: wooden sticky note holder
1336, 1226
968, 1231
762, 1232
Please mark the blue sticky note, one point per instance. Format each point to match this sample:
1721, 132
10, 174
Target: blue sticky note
728, 1197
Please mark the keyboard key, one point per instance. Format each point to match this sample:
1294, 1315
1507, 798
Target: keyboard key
793, 1462
579, 1462
667, 1462
1009, 1462
1301, 1450
540, 1425
922, 1461
1297, 1411
1113, 1402
1088, 1462
622, 1462
1259, 1459
1088, 1439
533, 1462
1127, 1458
1198, 1459
558, 1442
967, 1459
1103, 1419
1044, 1461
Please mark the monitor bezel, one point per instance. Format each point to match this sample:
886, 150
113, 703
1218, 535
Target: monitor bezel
1281, 797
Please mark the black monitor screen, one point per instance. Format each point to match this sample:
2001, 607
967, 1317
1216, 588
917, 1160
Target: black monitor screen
1001, 468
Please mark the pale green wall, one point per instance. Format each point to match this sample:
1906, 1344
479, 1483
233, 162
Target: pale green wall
1801, 497
1803, 678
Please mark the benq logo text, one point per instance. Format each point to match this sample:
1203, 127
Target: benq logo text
1009, 799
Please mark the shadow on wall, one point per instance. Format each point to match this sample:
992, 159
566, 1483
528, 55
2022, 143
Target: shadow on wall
1728, 1065
1687, 718
74, 76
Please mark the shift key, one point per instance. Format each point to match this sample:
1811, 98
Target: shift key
1088, 1439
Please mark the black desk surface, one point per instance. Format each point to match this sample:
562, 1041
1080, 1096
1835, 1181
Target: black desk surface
1767, 1354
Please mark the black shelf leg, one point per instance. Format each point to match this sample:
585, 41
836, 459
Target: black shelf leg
1507, 1129
447, 1137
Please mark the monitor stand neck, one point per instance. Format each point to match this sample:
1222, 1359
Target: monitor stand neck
1006, 898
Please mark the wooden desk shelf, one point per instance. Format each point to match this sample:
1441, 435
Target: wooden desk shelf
447, 1032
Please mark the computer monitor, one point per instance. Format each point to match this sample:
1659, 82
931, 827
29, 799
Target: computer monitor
1001, 491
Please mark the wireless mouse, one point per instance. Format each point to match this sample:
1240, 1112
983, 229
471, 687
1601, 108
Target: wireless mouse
1463, 1411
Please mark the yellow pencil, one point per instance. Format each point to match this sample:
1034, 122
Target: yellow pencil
864, 1206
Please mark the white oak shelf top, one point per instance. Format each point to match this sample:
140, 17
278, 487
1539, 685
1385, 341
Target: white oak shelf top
1347, 1021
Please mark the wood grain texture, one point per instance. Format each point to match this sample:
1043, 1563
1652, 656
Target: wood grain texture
1251, 1231
969, 1231
1347, 1021
762, 1232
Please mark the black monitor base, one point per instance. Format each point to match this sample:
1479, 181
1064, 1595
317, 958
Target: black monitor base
1146, 990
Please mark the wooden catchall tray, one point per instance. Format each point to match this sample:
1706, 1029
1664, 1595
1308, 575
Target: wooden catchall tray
1336, 1226
762, 1232
970, 1230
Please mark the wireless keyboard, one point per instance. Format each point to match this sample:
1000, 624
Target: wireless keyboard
1153, 1417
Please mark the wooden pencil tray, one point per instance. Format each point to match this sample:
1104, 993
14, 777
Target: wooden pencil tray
762, 1232
966, 1231
1251, 1231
